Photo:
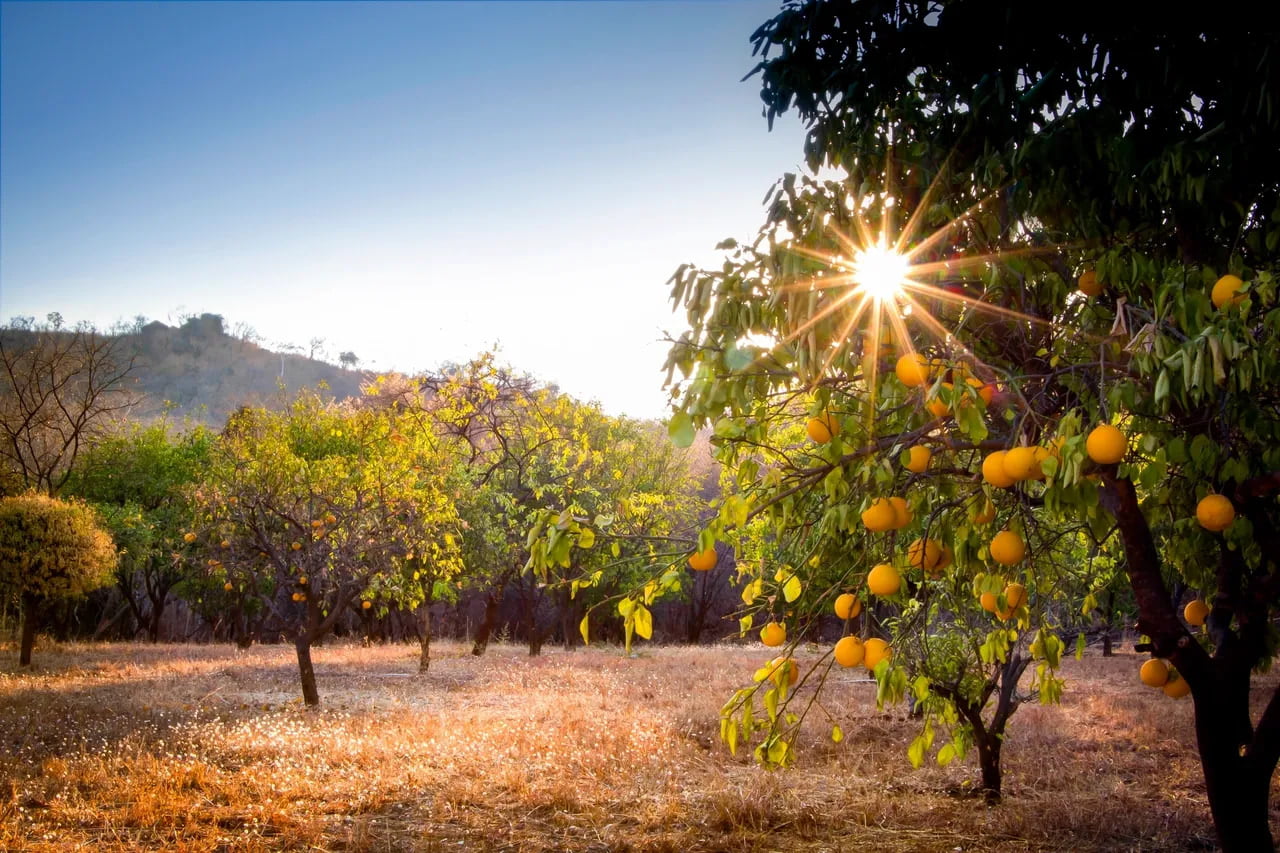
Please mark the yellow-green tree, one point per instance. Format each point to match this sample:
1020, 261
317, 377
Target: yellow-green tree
314, 508
50, 550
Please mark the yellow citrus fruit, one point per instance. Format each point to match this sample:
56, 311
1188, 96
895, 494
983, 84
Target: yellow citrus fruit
1089, 284
985, 513
773, 634
365, 605
883, 580
1224, 291
989, 601
188, 537
1196, 612
821, 428
1041, 454
874, 651
1154, 673
918, 457
704, 560
1177, 687
330, 518
912, 370
848, 605
987, 392
924, 554
993, 470
901, 513
303, 580
1106, 444
849, 651
780, 668
316, 523
1020, 463
1016, 595
1215, 512
227, 587
880, 516
948, 557
1007, 548
297, 546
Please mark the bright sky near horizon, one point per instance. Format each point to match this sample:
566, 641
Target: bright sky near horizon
413, 182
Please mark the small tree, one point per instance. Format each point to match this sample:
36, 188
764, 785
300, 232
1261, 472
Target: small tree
50, 550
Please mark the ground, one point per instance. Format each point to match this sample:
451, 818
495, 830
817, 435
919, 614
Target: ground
172, 747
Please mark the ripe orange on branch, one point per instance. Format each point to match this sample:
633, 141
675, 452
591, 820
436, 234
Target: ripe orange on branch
1007, 548
1215, 513
704, 560
1196, 612
773, 634
884, 580
1154, 673
848, 606
1106, 445
849, 651
820, 429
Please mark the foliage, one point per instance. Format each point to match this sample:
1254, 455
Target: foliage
52, 549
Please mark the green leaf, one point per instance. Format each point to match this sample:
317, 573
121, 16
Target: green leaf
1080, 644
915, 752
680, 429
791, 589
744, 624
946, 755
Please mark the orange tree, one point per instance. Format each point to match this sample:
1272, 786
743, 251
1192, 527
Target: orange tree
313, 508
50, 550
1091, 220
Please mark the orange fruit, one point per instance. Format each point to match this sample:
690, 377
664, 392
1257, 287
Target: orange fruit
1176, 687
780, 668
1224, 291
918, 457
1016, 595
884, 580
993, 470
1005, 614
1041, 454
227, 586
1019, 463
297, 546
938, 407
365, 605
330, 518
303, 580
224, 544
1007, 548
901, 513
1215, 513
1196, 612
1089, 284
880, 516
874, 651
989, 601
912, 370
925, 554
188, 537
821, 428
1154, 673
1106, 445
316, 523
704, 560
773, 634
848, 606
849, 651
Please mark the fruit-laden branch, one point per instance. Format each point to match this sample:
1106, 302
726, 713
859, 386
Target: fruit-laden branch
1156, 615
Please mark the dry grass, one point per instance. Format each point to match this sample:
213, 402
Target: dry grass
130, 747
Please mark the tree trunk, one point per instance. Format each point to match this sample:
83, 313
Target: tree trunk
989, 761
310, 695
486, 626
1238, 785
153, 624
424, 635
29, 618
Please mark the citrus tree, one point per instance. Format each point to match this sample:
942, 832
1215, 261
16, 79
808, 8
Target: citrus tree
50, 550
313, 508
1071, 236
138, 478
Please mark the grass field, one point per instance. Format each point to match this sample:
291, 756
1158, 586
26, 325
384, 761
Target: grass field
130, 747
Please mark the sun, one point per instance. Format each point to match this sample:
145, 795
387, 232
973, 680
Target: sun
880, 272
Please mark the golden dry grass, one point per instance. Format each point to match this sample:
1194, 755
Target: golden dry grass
193, 748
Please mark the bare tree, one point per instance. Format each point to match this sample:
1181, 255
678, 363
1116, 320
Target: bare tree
58, 388
315, 348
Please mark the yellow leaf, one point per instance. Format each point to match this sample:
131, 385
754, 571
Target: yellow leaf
582, 626
836, 734
791, 590
644, 622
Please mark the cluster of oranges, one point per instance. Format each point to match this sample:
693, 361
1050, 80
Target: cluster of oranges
1224, 293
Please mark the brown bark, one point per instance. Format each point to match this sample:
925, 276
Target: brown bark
491, 602
310, 695
424, 635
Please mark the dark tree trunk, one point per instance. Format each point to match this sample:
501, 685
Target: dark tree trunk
310, 695
491, 602
153, 623
1238, 785
989, 762
424, 635
30, 616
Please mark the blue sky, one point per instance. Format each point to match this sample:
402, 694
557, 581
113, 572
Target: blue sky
413, 182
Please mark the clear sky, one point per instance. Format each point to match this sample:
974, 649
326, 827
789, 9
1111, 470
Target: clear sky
414, 182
